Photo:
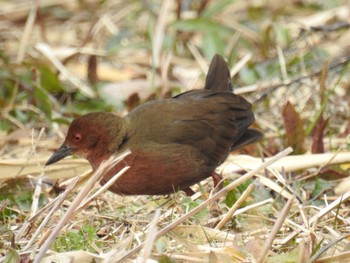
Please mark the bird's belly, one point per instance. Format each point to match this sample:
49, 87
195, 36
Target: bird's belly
159, 172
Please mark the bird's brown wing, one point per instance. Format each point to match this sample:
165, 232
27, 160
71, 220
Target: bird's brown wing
211, 122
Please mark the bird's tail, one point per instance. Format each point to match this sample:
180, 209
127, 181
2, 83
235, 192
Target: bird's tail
218, 77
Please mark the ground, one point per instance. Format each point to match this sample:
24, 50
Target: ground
61, 59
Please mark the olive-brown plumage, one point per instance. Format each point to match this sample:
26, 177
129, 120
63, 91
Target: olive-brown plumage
174, 143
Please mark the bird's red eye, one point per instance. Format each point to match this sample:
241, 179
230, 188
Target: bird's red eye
77, 137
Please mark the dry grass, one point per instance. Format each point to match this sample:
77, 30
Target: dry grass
274, 208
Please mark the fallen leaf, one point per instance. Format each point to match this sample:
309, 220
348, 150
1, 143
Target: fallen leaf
318, 134
293, 124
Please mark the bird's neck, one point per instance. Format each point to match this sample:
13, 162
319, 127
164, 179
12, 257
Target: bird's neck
113, 142
96, 162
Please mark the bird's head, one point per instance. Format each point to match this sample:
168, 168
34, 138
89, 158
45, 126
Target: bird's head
94, 136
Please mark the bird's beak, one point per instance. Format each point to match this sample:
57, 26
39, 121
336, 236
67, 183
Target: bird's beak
59, 154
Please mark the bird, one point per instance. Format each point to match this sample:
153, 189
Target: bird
174, 142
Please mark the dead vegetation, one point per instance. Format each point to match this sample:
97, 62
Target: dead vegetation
60, 59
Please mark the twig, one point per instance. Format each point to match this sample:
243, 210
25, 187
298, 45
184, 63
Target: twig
46, 50
103, 168
32, 150
36, 195
342, 257
282, 61
151, 237
58, 202
104, 188
159, 32
198, 56
319, 215
325, 248
234, 208
268, 87
166, 59
329, 28
240, 64
27, 31
282, 217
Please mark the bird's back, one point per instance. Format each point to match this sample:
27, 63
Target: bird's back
212, 120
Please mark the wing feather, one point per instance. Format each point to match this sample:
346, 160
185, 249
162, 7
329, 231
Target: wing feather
209, 121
